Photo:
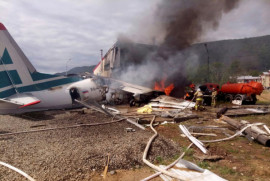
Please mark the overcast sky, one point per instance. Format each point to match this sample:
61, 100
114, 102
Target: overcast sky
53, 31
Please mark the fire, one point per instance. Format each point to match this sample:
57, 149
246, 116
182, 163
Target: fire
160, 86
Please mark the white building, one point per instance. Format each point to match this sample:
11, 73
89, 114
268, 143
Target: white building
120, 56
265, 77
247, 79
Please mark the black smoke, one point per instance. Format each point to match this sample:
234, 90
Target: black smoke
183, 22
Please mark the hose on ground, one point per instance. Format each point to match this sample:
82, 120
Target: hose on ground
236, 134
169, 166
17, 170
163, 171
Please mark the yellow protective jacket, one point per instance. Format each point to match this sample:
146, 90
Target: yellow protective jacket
198, 94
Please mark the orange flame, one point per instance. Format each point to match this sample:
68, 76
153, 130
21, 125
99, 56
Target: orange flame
160, 86
169, 89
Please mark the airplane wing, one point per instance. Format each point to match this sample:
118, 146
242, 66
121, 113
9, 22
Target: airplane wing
19, 100
132, 88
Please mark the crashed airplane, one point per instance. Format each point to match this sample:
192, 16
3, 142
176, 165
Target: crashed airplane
24, 89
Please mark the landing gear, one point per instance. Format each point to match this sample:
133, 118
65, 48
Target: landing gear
132, 103
228, 98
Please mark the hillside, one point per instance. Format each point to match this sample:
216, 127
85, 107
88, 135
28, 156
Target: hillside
78, 70
249, 56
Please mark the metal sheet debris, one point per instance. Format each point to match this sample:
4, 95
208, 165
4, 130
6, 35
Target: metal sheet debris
190, 171
198, 143
252, 130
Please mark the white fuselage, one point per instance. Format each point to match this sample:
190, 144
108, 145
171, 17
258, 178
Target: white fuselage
58, 97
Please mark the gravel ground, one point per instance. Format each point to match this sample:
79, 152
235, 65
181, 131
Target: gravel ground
72, 154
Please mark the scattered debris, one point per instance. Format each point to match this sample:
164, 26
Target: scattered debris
200, 128
245, 112
198, 143
209, 157
130, 130
112, 172
164, 171
189, 171
242, 111
170, 101
145, 109
251, 130
100, 109
106, 167
222, 112
204, 134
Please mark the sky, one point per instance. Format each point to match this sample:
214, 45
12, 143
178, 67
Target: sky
55, 34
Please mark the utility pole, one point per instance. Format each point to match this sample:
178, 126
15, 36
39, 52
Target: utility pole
101, 53
208, 73
102, 63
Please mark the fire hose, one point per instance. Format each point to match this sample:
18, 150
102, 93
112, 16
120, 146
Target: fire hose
149, 163
17, 170
189, 102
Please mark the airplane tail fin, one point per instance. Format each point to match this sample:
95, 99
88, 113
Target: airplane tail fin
17, 74
15, 68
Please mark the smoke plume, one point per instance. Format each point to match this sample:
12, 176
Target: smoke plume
183, 22
186, 20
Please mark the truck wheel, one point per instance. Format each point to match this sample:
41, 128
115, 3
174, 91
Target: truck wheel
238, 97
228, 98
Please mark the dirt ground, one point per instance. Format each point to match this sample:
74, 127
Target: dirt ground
75, 153
236, 159
80, 153
264, 97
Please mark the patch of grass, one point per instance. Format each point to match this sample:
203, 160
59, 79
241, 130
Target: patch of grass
159, 160
175, 156
189, 152
204, 164
231, 150
226, 171
263, 102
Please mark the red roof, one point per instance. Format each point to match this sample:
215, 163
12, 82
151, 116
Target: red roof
98, 65
2, 27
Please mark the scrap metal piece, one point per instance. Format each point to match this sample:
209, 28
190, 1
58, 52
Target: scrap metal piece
171, 102
190, 171
99, 108
251, 129
130, 130
194, 140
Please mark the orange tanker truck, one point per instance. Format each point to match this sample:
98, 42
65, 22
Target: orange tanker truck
245, 92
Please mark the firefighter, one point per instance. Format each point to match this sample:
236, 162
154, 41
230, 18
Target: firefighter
199, 100
214, 97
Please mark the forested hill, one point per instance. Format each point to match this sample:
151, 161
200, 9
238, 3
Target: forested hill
79, 70
229, 58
